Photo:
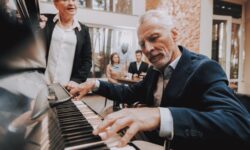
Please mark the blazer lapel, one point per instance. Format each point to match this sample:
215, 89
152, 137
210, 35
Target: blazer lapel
152, 87
141, 67
178, 79
80, 39
50, 28
135, 67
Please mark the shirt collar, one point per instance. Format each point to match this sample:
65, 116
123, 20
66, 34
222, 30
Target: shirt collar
138, 62
76, 24
174, 63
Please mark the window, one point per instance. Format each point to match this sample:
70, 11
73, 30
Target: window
117, 6
106, 40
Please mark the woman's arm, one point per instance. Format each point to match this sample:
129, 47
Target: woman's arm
108, 74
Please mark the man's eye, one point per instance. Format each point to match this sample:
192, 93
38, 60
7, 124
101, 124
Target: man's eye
142, 44
153, 38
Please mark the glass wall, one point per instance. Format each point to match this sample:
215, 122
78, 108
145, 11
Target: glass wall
235, 49
106, 40
227, 42
226, 47
219, 45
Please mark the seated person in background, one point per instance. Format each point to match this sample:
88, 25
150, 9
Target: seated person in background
68, 45
138, 68
114, 70
196, 110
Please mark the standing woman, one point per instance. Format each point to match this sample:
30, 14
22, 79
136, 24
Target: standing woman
114, 69
68, 45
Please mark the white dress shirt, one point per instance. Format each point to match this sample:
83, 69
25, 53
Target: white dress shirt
167, 124
61, 53
138, 64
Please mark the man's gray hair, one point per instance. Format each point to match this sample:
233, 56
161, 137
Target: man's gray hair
156, 15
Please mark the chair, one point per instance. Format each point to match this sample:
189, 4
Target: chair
245, 100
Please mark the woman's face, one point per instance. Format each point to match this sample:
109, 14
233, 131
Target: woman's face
115, 59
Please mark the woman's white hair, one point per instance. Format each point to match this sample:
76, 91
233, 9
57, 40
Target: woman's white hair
157, 15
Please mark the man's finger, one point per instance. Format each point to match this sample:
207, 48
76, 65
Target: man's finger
43, 18
74, 91
118, 125
108, 121
32, 104
68, 87
130, 133
81, 94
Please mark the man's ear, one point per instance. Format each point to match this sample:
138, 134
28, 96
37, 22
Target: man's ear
174, 33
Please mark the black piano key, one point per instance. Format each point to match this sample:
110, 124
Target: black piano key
82, 136
97, 147
55, 137
59, 145
71, 118
69, 115
83, 141
76, 129
66, 108
69, 127
77, 133
75, 126
73, 122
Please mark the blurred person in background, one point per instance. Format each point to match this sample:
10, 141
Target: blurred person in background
114, 70
138, 68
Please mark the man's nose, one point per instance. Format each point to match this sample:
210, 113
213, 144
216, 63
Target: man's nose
148, 46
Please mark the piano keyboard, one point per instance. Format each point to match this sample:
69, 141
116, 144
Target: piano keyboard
69, 126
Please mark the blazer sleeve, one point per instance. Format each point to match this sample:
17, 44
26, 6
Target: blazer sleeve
224, 121
121, 93
87, 58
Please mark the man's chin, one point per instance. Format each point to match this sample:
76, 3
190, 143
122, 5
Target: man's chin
158, 66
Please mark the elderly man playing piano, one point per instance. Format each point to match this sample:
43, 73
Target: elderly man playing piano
188, 101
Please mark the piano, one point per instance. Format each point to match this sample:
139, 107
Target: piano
68, 125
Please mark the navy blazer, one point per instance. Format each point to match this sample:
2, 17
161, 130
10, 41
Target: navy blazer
133, 68
206, 113
83, 54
